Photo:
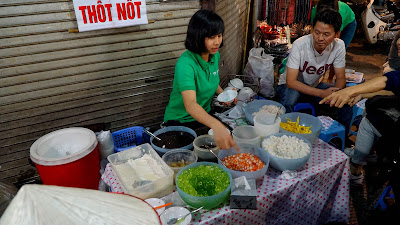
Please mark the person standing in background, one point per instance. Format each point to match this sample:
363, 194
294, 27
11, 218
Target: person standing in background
349, 23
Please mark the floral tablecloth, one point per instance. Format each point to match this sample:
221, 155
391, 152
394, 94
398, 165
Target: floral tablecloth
317, 194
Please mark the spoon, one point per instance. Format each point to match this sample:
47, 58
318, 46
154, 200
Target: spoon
179, 219
151, 134
222, 162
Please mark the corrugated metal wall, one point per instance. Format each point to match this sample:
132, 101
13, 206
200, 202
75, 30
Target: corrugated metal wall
52, 79
234, 14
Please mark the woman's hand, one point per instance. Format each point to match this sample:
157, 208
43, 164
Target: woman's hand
223, 139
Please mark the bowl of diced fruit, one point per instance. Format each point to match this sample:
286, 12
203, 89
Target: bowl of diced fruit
250, 161
179, 158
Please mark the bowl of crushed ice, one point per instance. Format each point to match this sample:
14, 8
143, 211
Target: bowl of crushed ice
287, 151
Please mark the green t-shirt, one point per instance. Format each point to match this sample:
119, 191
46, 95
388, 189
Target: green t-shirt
192, 73
344, 10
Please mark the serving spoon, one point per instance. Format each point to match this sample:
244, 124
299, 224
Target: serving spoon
222, 162
151, 134
179, 219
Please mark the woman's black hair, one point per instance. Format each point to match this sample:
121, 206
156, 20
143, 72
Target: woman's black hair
329, 16
204, 23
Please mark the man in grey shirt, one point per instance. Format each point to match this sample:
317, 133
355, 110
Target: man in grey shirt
310, 58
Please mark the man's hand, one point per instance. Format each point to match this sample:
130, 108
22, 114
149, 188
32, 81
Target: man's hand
340, 98
355, 100
329, 91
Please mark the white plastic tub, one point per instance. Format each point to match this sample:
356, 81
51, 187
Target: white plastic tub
143, 189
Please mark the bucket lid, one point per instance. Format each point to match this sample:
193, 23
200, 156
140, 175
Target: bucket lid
63, 146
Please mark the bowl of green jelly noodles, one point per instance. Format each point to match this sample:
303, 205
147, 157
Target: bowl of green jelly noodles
204, 184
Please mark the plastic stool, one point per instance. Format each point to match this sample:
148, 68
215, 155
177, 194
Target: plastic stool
331, 129
300, 106
381, 201
258, 97
358, 110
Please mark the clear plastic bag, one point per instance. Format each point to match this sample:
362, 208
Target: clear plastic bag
106, 144
260, 65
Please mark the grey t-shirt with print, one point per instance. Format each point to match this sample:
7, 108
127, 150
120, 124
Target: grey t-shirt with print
312, 65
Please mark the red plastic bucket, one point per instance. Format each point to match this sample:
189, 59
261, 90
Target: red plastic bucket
68, 157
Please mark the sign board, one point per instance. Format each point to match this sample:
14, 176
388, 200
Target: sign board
96, 14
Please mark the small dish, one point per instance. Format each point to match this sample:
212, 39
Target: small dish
227, 96
237, 83
154, 202
246, 90
173, 212
230, 88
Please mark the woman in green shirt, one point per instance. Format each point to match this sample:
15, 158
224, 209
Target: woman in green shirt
196, 78
349, 23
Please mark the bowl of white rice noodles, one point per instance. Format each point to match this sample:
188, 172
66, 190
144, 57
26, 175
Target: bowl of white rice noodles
287, 151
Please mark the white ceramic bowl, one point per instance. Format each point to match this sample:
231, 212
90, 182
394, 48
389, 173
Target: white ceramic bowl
230, 88
227, 96
174, 212
154, 202
237, 83
246, 90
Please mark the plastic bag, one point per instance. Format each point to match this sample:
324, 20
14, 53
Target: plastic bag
260, 65
7, 193
54, 205
106, 144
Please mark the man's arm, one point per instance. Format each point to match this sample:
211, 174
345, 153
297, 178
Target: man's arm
340, 77
344, 96
293, 83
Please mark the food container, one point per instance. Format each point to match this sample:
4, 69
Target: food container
211, 132
247, 148
204, 153
160, 150
246, 134
304, 120
256, 105
139, 180
263, 125
183, 156
283, 164
208, 202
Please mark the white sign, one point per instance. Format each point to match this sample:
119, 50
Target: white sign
96, 14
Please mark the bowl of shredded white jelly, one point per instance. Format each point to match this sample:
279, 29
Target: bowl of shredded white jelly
287, 151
